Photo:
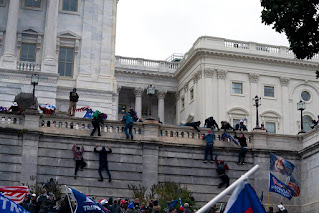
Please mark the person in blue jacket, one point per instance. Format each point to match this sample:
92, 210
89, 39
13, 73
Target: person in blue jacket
209, 146
128, 125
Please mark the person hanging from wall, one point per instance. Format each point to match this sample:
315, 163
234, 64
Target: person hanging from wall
194, 124
209, 146
211, 123
225, 126
97, 121
128, 125
241, 126
103, 161
74, 97
78, 157
244, 148
221, 170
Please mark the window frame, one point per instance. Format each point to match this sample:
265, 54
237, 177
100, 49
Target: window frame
310, 99
191, 94
35, 52
31, 8
73, 60
242, 88
271, 122
270, 97
3, 4
304, 124
61, 10
182, 103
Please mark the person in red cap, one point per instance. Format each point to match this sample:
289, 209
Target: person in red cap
209, 148
221, 170
181, 209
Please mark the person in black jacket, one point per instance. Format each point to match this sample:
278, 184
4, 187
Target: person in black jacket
194, 124
244, 148
226, 125
74, 97
211, 123
116, 207
103, 161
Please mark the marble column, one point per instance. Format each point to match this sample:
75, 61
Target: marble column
221, 76
117, 98
177, 93
285, 105
253, 78
49, 62
208, 75
161, 96
9, 58
138, 100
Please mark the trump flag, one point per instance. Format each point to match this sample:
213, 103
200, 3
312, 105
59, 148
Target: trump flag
85, 204
244, 200
279, 164
279, 187
8, 206
15, 193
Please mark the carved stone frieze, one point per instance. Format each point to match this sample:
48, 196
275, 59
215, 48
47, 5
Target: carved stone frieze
208, 73
138, 91
284, 81
253, 77
185, 87
161, 94
221, 74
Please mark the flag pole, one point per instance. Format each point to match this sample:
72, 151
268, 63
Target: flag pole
67, 194
208, 205
268, 198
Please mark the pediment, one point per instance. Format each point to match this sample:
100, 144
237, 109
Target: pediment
30, 30
69, 34
238, 111
270, 114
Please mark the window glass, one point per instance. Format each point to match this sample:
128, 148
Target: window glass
122, 109
235, 121
33, 3
66, 60
27, 52
1, 2
269, 91
192, 94
307, 122
70, 5
271, 127
305, 96
237, 88
183, 103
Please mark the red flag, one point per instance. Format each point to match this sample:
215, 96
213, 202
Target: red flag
15, 193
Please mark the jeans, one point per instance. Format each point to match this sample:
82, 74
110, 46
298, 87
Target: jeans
209, 149
128, 126
96, 126
225, 180
79, 164
242, 155
106, 167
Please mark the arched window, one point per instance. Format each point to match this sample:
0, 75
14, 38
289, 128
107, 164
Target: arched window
307, 121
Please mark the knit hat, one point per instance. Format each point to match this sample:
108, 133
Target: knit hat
181, 208
130, 205
241, 121
209, 131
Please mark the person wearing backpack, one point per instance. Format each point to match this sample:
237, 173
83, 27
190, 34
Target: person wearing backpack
221, 170
98, 120
209, 145
128, 125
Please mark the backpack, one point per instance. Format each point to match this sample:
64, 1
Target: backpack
96, 114
221, 169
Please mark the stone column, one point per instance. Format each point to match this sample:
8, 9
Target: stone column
49, 61
221, 76
9, 58
177, 106
208, 75
253, 78
116, 101
285, 105
138, 101
197, 94
161, 96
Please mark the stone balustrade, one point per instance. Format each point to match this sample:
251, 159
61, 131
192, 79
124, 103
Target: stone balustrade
28, 66
11, 121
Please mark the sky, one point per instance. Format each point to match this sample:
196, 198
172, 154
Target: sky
155, 29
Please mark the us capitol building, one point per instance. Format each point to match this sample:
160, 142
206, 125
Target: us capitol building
71, 43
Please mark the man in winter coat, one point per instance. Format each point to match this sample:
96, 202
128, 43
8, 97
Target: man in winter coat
209, 146
74, 97
241, 126
194, 124
221, 170
103, 161
98, 120
128, 125
244, 148
211, 123
78, 157
226, 125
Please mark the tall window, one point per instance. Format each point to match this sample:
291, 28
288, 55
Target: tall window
269, 91
235, 121
237, 88
271, 127
183, 102
28, 52
70, 5
33, 3
191, 92
66, 60
307, 122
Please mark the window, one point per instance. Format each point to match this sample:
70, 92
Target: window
269, 91
237, 88
66, 58
191, 92
122, 109
183, 103
235, 121
33, 3
271, 127
305, 96
28, 52
307, 122
70, 5
1, 2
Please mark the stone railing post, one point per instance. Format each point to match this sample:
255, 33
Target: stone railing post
151, 130
259, 139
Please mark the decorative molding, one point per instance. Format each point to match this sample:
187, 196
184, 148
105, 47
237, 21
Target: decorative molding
68, 39
29, 35
197, 76
156, 75
253, 77
118, 89
138, 91
177, 93
85, 95
284, 81
185, 87
221, 74
208, 73
161, 94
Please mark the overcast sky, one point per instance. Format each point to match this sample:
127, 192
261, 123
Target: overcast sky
155, 29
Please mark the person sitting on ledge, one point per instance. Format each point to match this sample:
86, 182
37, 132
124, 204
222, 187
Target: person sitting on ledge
241, 126
194, 124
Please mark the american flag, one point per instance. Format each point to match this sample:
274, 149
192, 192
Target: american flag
15, 193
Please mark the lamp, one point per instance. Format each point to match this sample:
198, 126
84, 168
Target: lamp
150, 91
34, 81
301, 106
257, 103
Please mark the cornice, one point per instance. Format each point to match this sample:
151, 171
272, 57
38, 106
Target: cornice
140, 73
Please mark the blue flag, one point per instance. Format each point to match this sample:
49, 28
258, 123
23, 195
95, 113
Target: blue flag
279, 187
226, 135
173, 204
179, 198
279, 164
244, 200
85, 204
9, 206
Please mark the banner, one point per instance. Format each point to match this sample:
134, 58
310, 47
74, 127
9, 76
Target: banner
8, 206
279, 187
15, 193
85, 204
279, 164
293, 184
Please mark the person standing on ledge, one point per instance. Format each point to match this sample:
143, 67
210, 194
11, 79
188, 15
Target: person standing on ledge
74, 97
128, 125
103, 161
209, 146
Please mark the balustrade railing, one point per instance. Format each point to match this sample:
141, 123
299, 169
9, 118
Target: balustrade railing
11, 120
28, 66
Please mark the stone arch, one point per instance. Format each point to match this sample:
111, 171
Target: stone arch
237, 113
291, 92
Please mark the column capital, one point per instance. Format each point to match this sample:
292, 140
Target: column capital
284, 81
177, 93
253, 77
208, 73
197, 76
161, 94
185, 87
138, 91
221, 74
